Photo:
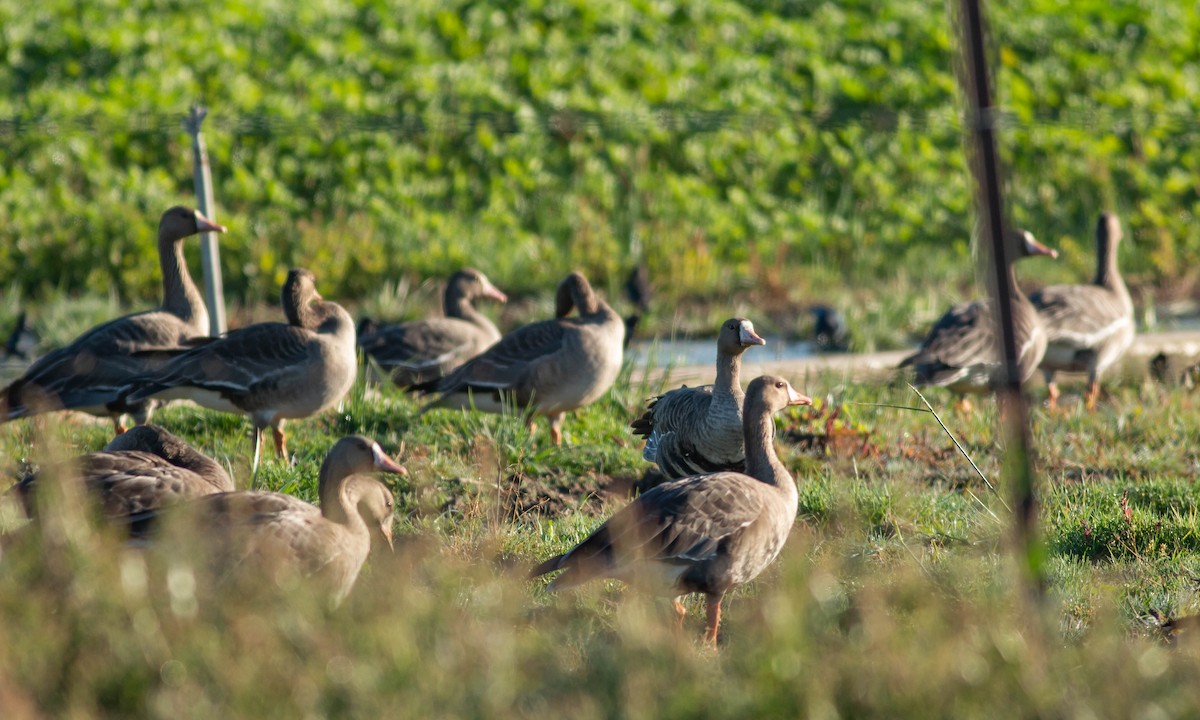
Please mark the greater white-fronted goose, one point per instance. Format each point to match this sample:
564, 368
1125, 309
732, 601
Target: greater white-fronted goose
962, 350
141, 471
256, 530
549, 367
423, 350
1088, 327
88, 374
694, 430
269, 371
705, 533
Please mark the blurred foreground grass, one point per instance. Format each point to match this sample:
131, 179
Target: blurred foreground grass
894, 598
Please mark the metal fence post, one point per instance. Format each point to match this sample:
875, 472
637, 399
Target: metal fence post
210, 253
1015, 415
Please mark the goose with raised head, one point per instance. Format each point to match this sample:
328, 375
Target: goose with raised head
269, 531
694, 430
962, 350
88, 374
705, 533
139, 472
424, 350
1088, 327
270, 371
547, 368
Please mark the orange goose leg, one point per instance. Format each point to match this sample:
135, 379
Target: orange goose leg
118, 428
1093, 394
280, 442
712, 607
1052, 395
556, 422
680, 614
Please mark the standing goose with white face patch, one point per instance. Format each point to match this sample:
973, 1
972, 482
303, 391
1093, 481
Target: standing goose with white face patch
545, 368
705, 533
89, 373
269, 371
962, 350
694, 430
1089, 327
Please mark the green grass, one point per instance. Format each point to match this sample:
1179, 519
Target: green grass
895, 596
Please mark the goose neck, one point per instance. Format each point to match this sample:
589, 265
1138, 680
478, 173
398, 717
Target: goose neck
759, 436
180, 295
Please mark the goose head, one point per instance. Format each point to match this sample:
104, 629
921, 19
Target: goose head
180, 222
471, 284
350, 456
736, 335
1027, 245
775, 393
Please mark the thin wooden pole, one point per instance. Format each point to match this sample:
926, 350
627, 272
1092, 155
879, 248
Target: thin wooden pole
1015, 413
210, 252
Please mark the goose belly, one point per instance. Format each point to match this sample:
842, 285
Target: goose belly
211, 399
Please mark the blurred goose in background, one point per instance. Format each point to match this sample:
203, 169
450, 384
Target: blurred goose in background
962, 350
21, 341
269, 371
694, 430
141, 471
549, 367
88, 374
256, 531
706, 533
424, 350
1088, 327
831, 332
637, 290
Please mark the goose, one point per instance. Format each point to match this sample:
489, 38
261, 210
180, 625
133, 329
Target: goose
962, 351
1088, 327
88, 373
423, 350
831, 332
270, 371
704, 533
22, 341
549, 367
637, 291
139, 472
694, 430
269, 531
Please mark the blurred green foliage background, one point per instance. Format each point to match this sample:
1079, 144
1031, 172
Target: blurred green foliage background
724, 143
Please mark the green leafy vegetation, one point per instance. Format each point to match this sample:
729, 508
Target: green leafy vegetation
787, 147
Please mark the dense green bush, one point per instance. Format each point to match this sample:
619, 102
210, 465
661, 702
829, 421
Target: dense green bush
728, 142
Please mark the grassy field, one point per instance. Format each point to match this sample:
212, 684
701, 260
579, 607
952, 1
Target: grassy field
896, 595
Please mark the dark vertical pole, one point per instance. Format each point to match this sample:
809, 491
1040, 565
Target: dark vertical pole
1015, 413
210, 252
